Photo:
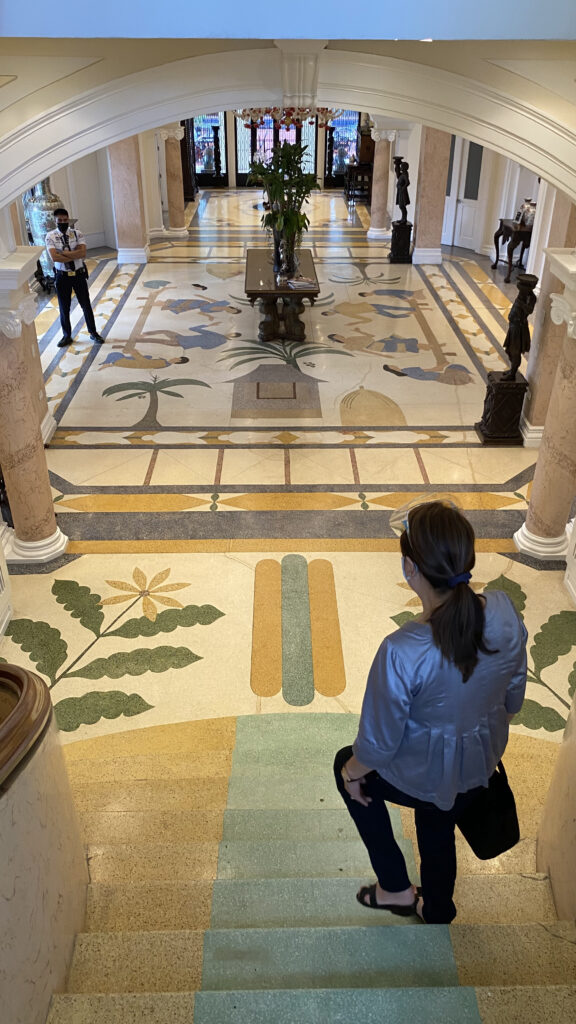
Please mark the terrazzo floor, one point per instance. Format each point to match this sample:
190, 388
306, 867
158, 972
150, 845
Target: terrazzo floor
228, 502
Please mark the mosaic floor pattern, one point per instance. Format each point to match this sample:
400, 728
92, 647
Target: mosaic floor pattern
276, 597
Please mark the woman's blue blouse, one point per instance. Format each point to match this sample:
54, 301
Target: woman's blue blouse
423, 729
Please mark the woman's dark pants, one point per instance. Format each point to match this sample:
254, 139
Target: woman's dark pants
436, 843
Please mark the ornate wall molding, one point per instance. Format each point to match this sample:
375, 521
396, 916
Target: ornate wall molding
402, 91
171, 131
382, 135
300, 66
563, 312
11, 320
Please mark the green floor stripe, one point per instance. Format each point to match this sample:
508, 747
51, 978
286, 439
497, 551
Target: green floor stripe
297, 666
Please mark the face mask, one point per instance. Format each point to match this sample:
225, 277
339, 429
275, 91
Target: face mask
404, 571
63, 226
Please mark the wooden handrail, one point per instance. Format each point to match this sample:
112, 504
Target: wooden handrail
25, 723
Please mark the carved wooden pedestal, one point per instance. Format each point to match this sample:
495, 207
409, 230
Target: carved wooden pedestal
400, 248
500, 423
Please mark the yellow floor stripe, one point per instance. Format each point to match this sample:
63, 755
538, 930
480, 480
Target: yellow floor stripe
266, 670
327, 656
130, 547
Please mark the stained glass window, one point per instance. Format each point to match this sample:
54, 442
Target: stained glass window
204, 142
265, 140
309, 140
345, 139
243, 148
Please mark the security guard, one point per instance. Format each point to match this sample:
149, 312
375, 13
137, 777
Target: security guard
67, 249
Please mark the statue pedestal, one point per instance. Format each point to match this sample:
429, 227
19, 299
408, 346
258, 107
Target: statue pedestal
500, 423
400, 248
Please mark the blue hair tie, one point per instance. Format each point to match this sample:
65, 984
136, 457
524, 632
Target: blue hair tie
462, 577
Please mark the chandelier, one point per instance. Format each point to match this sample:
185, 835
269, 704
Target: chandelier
254, 117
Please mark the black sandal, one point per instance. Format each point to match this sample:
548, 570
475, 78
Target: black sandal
395, 908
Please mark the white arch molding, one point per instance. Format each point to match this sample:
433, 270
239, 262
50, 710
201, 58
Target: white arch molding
385, 86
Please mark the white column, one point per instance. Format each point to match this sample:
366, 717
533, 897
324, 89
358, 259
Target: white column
380, 220
171, 135
35, 537
544, 534
151, 184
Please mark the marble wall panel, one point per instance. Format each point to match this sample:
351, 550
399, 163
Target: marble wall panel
42, 884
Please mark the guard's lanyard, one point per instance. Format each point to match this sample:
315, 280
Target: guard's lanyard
65, 242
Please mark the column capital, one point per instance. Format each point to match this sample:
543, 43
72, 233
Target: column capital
11, 320
563, 312
382, 135
171, 131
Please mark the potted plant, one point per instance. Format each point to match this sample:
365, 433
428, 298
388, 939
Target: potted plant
286, 187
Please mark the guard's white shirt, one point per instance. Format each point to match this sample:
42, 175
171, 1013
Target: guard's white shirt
55, 240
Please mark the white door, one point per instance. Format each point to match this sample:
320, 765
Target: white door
461, 211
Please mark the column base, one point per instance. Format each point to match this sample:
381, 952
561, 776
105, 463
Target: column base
176, 233
532, 435
48, 427
426, 255
31, 551
133, 255
541, 547
379, 234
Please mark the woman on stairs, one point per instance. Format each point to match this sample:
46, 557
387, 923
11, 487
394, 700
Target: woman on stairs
439, 698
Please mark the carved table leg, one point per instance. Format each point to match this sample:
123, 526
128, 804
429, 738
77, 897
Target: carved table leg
511, 247
293, 326
269, 327
498, 234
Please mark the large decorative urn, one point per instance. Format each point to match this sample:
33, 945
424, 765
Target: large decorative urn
40, 209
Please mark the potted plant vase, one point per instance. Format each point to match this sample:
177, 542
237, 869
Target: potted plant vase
287, 188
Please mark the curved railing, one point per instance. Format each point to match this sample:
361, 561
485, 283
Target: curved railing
25, 711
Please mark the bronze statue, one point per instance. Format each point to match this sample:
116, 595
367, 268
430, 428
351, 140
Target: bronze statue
402, 182
518, 338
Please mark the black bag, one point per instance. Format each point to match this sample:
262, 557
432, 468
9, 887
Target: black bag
490, 823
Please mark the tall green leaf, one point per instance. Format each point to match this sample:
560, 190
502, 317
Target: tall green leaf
556, 637
403, 617
536, 716
42, 642
572, 681
513, 589
166, 622
136, 663
81, 603
72, 712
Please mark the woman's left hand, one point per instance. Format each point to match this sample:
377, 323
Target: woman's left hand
356, 792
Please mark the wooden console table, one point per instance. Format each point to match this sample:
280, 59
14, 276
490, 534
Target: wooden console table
515, 234
281, 307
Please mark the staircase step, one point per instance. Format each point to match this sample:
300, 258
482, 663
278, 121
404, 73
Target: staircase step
285, 858
282, 788
326, 1006
504, 899
313, 902
177, 738
152, 862
151, 766
150, 826
148, 906
286, 958
130, 1008
294, 903
136, 962
158, 795
296, 731
497, 955
329, 823
551, 1004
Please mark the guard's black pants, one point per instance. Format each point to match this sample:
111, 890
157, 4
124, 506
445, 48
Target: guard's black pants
64, 287
434, 830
